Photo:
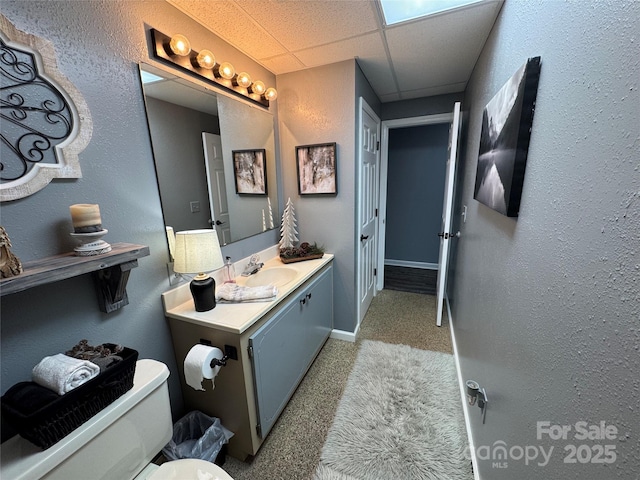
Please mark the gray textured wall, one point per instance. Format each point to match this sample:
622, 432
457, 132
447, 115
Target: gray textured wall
99, 45
312, 110
415, 192
547, 307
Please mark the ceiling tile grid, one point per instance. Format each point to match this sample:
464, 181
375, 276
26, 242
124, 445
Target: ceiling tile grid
303, 24
428, 56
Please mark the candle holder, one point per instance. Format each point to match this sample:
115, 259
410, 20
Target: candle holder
90, 243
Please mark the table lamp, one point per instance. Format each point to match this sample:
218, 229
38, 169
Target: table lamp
198, 251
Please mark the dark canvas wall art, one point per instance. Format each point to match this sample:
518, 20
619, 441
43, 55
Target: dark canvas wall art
504, 141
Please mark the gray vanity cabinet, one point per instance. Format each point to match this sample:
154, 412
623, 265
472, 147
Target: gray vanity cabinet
273, 355
284, 347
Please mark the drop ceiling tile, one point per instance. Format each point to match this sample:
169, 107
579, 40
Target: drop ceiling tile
302, 24
391, 97
447, 46
369, 46
435, 90
282, 64
371, 54
227, 20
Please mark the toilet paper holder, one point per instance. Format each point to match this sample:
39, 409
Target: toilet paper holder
229, 353
222, 362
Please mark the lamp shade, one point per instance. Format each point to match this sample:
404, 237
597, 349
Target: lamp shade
197, 251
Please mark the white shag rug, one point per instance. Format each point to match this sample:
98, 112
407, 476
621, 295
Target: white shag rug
400, 417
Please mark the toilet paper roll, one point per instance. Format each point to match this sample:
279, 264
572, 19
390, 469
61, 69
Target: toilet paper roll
197, 365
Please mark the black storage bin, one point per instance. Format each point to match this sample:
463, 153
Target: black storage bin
43, 417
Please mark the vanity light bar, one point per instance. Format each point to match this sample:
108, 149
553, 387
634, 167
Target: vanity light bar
176, 52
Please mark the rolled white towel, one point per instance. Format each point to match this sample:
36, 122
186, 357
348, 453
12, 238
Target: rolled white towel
231, 292
62, 373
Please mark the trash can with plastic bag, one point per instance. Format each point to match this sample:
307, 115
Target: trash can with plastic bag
197, 435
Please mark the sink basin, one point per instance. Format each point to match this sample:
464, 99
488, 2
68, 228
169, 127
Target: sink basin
276, 276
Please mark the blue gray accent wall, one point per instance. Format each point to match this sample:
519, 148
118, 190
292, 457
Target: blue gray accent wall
546, 307
415, 192
99, 45
418, 107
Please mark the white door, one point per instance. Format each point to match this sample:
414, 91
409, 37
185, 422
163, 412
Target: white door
369, 160
217, 188
447, 210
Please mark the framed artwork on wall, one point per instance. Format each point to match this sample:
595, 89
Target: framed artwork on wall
504, 141
317, 172
250, 171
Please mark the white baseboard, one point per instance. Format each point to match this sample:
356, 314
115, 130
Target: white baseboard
407, 263
343, 335
463, 395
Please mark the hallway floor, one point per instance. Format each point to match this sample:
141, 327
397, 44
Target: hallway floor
408, 279
292, 448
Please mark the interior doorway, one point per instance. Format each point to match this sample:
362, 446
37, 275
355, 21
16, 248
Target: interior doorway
387, 125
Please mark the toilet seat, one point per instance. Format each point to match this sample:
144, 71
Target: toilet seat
189, 469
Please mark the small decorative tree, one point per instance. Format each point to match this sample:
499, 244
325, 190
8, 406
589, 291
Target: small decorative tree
270, 213
288, 232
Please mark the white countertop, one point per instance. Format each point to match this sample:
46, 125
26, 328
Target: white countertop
238, 317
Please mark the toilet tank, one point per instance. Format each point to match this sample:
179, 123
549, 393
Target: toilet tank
117, 443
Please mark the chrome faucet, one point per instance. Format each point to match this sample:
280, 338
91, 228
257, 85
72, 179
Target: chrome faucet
253, 266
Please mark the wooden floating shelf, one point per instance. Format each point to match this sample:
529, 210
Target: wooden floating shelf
110, 270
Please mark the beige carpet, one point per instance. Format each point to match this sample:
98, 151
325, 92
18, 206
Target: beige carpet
292, 449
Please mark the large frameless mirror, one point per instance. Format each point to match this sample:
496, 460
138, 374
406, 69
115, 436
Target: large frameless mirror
200, 139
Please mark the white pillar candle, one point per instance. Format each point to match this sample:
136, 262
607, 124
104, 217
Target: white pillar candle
86, 218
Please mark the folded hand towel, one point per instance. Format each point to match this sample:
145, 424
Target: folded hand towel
231, 292
61, 373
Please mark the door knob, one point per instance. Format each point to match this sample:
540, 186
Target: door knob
447, 235
363, 237
218, 222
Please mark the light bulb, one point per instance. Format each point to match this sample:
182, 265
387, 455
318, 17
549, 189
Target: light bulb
205, 59
179, 45
243, 79
258, 87
225, 70
271, 94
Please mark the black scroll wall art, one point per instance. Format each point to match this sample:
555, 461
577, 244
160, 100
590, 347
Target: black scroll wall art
39, 120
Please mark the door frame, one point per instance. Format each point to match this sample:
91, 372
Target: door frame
364, 106
384, 169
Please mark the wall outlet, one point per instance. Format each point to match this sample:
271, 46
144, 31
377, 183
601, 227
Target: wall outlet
195, 207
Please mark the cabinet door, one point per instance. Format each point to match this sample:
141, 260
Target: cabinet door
318, 315
284, 347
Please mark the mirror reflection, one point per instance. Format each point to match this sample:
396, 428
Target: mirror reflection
194, 132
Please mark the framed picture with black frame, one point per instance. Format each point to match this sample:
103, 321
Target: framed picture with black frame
250, 171
504, 141
317, 169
